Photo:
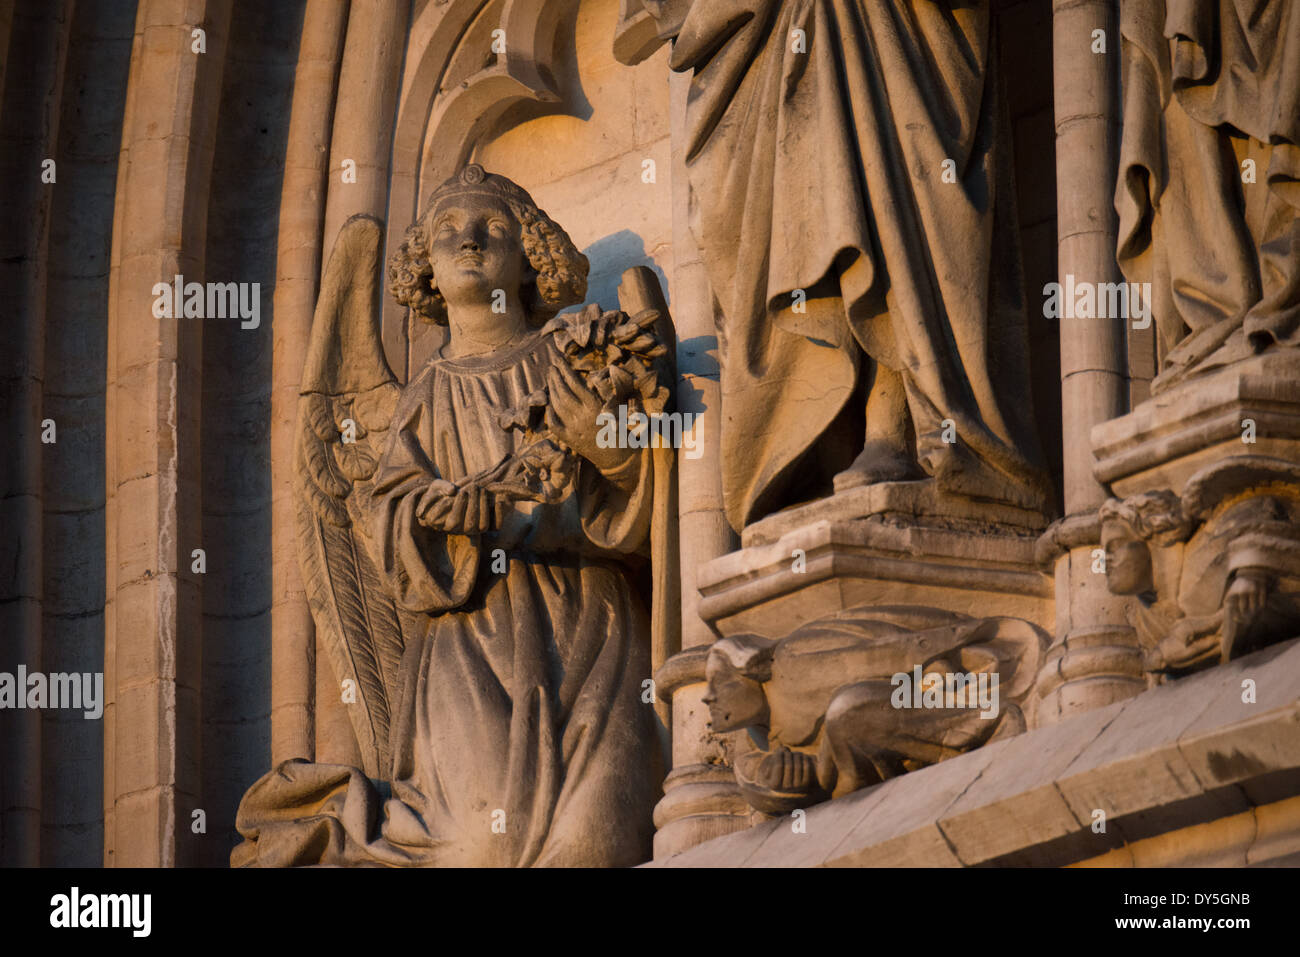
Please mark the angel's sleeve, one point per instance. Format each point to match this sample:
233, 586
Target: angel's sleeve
425, 570
617, 508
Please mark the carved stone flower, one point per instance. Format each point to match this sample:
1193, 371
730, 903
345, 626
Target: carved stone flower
616, 354
526, 417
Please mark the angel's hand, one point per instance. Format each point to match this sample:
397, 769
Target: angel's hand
434, 492
471, 509
572, 417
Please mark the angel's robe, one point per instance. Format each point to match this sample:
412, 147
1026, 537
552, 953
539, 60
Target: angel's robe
521, 737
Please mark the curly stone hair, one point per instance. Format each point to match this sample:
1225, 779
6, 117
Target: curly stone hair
1154, 516
560, 270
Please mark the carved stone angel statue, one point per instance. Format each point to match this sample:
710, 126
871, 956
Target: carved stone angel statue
475, 560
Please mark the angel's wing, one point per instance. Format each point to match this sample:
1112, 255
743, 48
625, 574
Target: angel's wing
346, 406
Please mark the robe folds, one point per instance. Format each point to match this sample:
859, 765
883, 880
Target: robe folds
1212, 91
521, 737
854, 150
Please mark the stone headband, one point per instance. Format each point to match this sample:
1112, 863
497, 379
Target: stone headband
473, 180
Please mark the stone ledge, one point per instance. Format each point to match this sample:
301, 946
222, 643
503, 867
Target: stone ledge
1176, 756
873, 561
1198, 423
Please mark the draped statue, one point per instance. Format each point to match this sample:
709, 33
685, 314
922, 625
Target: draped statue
476, 561
1209, 186
853, 202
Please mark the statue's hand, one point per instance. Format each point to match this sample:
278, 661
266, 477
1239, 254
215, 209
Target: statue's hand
1245, 599
1190, 641
471, 509
572, 418
786, 770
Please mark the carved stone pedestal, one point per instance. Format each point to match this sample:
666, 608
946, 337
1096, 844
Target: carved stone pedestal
882, 544
1251, 408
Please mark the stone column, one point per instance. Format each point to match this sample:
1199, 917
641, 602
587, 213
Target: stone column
299, 259
1095, 660
76, 338
29, 135
701, 799
152, 516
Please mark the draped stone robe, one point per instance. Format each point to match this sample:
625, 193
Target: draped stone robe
521, 698
1208, 86
816, 160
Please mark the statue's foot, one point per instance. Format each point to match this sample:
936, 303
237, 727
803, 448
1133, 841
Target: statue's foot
879, 461
959, 471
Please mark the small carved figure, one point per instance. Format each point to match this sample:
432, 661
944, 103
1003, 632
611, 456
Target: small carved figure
1213, 576
866, 694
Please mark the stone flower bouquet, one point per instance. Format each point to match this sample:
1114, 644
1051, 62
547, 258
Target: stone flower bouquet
619, 359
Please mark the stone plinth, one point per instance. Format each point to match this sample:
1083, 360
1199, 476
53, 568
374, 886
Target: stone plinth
1194, 758
878, 544
1172, 436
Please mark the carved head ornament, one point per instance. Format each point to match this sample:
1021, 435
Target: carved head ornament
1128, 529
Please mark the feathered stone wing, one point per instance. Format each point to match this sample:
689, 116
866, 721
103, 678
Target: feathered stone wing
345, 410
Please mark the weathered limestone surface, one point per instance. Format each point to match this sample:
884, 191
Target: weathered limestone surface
298, 264
813, 320
1251, 408
1264, 836
1172, 758
152, 665
1091, 663
830, 564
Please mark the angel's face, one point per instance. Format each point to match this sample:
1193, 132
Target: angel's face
475, 251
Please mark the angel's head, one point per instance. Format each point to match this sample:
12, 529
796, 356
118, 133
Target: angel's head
481, 237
